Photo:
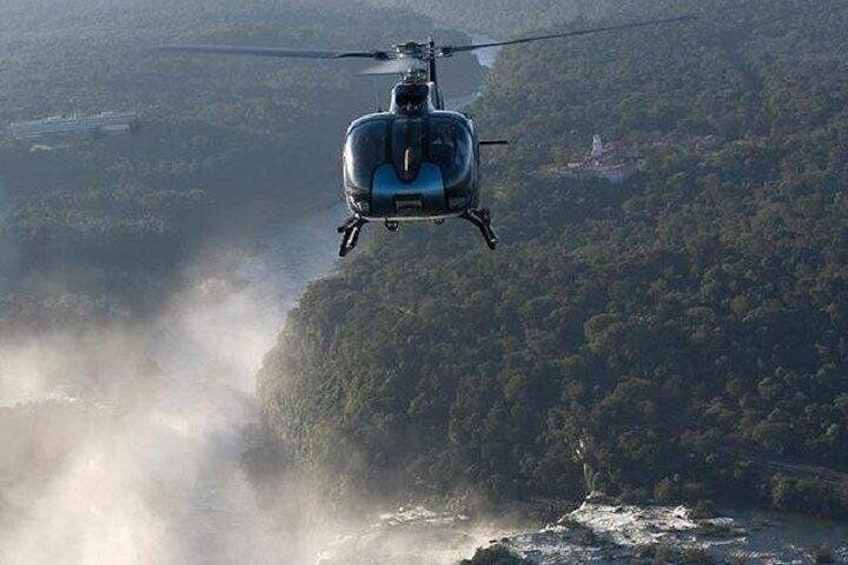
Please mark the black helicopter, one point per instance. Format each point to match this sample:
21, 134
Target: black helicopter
418, 161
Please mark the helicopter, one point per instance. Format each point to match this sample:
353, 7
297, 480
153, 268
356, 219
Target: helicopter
417, 161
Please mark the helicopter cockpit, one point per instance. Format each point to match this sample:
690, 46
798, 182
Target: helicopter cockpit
419, 165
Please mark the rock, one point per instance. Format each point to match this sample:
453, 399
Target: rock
495, 555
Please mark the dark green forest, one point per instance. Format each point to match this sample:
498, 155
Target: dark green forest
101, 229
677, 337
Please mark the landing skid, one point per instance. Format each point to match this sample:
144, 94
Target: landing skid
352, 227
350, 233
481, 218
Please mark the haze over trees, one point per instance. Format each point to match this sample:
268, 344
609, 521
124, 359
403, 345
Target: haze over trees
682, 334
94, 230
99, 240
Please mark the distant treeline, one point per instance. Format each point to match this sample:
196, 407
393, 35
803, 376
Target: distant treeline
503, 18
681, 336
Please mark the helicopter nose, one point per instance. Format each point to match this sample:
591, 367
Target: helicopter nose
423, 195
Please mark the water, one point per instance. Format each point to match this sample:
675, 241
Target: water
595, 533
619, 534
486, 58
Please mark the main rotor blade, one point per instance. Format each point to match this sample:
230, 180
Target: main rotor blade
461, 48
275, 52
396, 66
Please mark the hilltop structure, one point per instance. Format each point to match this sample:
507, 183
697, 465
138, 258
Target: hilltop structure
58, 126
601, 162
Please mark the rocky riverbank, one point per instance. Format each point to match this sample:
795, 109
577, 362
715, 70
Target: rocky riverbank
595, 532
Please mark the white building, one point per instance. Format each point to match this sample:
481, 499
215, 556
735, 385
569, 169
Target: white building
103, 123
597, 147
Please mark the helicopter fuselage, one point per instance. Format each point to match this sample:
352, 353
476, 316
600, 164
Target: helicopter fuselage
413, 163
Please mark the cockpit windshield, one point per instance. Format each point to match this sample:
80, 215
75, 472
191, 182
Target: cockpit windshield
406, 143
365, 150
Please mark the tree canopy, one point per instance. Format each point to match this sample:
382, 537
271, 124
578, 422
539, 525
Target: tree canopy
677, 336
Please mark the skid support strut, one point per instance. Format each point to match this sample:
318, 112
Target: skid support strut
350, 233
481, 218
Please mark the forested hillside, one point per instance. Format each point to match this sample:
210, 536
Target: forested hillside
681, 335
96, 228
